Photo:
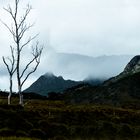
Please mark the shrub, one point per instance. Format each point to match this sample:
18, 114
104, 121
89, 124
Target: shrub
72, 130
6, 132
126, 131
58, 129
37, 133
18, 123
60, 138
43, 124
21, 133
89, 131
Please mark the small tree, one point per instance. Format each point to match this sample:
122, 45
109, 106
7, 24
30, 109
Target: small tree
18, 30
11, 68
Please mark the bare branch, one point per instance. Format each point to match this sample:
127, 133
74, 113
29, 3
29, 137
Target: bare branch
11, 69
6, 65
13, 60
36, 52
30, 73
25, 16
10, 29
37, 56
9, 10
27, 67
28, 41
23, 30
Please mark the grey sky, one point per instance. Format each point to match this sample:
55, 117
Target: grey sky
92, 27
88, 27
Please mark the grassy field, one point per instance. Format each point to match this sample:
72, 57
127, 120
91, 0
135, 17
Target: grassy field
56, 120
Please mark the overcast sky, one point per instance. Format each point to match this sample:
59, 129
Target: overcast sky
87, 27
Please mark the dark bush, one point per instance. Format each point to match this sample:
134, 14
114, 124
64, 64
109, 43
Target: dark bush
38, 133
43, 124
126, 131
60, 138
110, 128
21, 133
72, 130
89, 131
58, 129
105, 128
137, 132
26, 125
80, 130
6, 132
18, 123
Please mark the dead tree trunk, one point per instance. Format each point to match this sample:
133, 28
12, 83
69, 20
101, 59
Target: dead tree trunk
10, 93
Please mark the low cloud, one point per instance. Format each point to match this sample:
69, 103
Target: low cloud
79, 67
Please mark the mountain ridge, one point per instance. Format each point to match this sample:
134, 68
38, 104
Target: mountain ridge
50, 83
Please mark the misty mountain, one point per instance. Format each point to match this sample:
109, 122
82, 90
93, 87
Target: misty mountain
122, 90
50, 83
80, 67
93, 70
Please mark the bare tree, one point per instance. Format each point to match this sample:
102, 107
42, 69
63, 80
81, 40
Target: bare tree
11, 68
18, 29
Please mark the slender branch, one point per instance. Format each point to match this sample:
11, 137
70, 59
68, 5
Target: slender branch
23, 30
12, 62
27, 67
35, 68
30, 73
28, 41
9, 10
36, 58
25, 16
6, 65
10, 30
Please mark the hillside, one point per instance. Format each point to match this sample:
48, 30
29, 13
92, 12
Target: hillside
122, 90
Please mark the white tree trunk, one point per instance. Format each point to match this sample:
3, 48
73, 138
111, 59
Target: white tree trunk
9, 99
10, 93
21, 99
20, 95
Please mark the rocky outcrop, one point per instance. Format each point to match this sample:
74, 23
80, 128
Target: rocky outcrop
133, 66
